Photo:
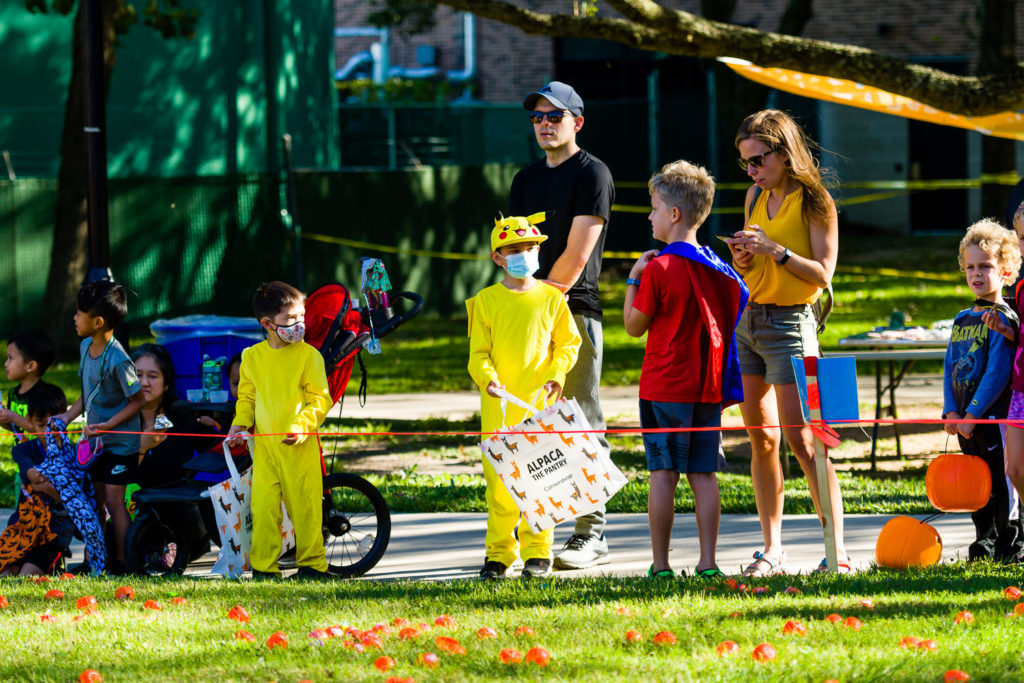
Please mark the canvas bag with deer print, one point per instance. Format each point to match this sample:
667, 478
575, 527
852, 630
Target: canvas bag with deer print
232, 509
553, 470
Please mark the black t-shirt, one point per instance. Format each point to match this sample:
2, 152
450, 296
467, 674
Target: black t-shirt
162, 463
579, 186
17, 403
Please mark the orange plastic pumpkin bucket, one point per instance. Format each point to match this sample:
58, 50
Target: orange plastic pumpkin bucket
907, 542
958, 483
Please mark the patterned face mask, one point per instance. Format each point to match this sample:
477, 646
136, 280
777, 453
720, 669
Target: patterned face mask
291, 333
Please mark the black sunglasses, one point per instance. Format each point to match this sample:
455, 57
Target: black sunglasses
757, 161
537, 117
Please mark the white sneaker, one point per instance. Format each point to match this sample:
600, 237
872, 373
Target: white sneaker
580, 552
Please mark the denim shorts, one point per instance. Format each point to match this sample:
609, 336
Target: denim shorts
691, 452
768, 336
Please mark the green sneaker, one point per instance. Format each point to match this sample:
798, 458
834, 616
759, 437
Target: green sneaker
662, 574
712, 573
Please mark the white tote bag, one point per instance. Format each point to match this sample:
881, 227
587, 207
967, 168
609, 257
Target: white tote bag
232, 509
552, 476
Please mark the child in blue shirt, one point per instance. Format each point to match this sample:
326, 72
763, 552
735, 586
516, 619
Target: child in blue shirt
111, 401
976, 382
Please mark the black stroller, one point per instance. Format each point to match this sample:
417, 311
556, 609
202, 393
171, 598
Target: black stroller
175, 525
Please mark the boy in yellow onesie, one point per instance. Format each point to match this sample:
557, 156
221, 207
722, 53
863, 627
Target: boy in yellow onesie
521, 338
282, 389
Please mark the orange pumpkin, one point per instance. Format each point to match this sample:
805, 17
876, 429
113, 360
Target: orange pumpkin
958, 483
906, 542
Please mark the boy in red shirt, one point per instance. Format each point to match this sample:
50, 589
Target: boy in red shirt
688, 301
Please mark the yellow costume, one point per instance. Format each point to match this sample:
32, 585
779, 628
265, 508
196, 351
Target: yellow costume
521, 340
283, 391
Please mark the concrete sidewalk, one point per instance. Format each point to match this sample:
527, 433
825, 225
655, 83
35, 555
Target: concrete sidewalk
414, 551
443, 546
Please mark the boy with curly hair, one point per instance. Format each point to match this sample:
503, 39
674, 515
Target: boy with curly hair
976, 382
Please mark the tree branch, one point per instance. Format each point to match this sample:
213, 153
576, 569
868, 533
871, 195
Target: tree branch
649, 26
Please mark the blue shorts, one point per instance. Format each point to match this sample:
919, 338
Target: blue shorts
684, 452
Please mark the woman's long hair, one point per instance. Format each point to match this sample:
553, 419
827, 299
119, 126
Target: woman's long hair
783, 135
163, 361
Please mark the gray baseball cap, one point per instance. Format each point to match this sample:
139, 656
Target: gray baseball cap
558, 94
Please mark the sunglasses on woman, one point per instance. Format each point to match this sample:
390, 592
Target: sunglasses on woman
553, 117
757, 161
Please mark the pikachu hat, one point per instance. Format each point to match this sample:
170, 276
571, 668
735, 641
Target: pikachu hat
516, 229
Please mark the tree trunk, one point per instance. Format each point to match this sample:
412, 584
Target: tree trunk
70, 254
996, 54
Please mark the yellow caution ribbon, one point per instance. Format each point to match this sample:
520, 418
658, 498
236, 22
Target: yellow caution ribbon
610, 255
1008, 178
356, 244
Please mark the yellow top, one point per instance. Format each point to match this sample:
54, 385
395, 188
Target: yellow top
522, 340
282, 391
769, 282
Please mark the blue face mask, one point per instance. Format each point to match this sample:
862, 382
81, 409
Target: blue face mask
524, 264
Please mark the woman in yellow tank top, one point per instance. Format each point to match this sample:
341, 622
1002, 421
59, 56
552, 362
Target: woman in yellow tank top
787, 254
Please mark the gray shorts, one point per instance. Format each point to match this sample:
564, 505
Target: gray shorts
684, 452
768, 336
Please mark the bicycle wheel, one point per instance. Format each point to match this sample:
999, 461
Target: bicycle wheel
153, 547
357, 524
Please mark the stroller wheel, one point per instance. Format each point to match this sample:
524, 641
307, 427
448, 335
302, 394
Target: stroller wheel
153, 547
357, 524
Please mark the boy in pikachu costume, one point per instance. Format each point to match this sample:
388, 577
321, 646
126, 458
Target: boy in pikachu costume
521, 338
282, 391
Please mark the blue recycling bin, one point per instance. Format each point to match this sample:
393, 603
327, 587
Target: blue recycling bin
192, 337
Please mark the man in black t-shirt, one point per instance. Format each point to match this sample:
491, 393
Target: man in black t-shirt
576, 190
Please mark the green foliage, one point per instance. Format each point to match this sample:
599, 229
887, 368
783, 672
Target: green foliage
170, 19
397, 90
406, 17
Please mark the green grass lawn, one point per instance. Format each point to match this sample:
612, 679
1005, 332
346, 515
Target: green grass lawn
580, 623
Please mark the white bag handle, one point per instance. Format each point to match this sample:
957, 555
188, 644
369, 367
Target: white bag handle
231, 460
507, 397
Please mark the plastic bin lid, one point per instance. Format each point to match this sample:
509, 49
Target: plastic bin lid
204, 326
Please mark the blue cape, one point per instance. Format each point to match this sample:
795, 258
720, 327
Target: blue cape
732, 380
